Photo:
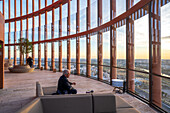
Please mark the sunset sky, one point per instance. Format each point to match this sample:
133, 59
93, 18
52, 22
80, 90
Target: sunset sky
141, 30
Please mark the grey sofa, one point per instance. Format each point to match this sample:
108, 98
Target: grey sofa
79, 103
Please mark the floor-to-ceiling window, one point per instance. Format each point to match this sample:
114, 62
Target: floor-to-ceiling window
165, 55
121, 51
141, 46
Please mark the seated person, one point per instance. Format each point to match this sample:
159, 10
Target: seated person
64, 86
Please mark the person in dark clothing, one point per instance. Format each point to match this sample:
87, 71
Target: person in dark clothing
30, 61
64, 86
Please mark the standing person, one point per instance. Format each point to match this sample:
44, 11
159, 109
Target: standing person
64, 86
30, 61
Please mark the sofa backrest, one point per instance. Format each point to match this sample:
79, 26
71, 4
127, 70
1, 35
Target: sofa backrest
67, 104
34, 107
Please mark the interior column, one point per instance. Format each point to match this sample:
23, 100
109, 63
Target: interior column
46, 37
33, 48
60, 35
39, 37
77, 38
113, 59
27, 24
130, 50
21, 62
15, 35
52, 32
68, 40
100, 42
156, 82
88, 40
9, 29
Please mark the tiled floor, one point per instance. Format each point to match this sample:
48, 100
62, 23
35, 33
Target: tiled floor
20, 89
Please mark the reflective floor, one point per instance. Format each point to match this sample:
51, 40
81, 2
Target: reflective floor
20, 89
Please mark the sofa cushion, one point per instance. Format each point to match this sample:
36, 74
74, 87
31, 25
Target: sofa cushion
104, 103
67, 104
49, 90
33, 107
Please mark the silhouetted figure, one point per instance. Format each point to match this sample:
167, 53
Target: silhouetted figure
64, 86
30, 61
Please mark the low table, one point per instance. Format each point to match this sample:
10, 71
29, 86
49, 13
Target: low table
118, 83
